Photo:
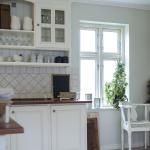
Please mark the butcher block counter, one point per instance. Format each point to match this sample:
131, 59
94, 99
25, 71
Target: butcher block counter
28, 101
10, 128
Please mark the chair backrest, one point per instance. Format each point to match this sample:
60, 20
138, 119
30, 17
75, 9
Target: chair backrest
125, 113
129, 113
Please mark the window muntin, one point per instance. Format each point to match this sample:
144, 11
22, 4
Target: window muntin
105, 57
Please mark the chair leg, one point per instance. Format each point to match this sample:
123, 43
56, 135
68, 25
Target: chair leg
145, 140
129, 139
122, 139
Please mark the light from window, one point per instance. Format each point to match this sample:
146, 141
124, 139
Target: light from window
87, 78
87, 40
110, 42
100, 48
109, 69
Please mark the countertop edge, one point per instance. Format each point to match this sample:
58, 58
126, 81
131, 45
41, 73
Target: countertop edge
10, 128
49, 101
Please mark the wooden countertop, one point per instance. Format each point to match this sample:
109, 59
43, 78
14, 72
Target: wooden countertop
27, 101
10, 128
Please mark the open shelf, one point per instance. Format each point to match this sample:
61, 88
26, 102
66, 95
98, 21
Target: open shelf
16, 47
21, 31
32, 64
32, 48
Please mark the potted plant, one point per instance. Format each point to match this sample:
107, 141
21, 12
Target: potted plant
115, 90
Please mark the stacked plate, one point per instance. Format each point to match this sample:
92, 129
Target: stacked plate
15, 23
27, 24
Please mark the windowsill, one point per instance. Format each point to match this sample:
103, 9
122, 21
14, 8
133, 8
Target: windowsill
93, 109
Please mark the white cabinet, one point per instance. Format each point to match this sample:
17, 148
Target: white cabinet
50, 127
19, 38
50, 37
35, 120
53, 26
69, 127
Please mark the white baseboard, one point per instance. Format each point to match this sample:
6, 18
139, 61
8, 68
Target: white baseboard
118, 146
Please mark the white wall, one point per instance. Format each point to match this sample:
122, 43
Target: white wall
139, 54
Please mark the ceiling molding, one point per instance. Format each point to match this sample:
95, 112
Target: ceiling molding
112, 3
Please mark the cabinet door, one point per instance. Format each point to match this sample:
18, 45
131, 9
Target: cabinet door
53, 26
69, 128
43, 26
62, 26
35, 121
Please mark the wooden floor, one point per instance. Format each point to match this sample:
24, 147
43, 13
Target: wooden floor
140, 148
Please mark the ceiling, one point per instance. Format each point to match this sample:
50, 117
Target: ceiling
141, 4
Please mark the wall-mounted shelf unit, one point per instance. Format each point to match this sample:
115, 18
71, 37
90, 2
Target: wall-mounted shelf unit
50, 36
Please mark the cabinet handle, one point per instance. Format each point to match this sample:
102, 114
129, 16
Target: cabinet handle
38, 24
54, 110
13, 112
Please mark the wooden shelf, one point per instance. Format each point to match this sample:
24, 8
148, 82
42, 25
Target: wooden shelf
34, 64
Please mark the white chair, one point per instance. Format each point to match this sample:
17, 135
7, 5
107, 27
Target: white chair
130, 123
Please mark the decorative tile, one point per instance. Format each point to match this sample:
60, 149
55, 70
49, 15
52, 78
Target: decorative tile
2, 69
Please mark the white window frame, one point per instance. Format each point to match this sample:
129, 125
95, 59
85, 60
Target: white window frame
100, 56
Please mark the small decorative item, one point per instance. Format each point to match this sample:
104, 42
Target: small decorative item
97, 103
67, 95
88, 96
17, 58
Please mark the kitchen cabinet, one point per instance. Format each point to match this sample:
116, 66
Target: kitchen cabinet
68, 127
53, 26
50, 127
36, 124
50, 36
16, 37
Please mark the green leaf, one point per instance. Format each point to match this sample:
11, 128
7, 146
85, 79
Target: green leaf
115, 90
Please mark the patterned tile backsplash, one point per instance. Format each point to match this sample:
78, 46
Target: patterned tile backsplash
31, 82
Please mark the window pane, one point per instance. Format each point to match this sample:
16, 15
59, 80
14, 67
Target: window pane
87, 40
109, 69
46, 34
110, 41
87, 78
